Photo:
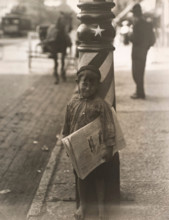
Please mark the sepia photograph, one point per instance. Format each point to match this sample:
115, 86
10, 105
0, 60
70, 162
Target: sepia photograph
84, 109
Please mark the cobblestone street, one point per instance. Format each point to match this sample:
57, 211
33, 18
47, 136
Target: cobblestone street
31, 114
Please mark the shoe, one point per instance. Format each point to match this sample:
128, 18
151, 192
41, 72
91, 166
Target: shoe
135, 96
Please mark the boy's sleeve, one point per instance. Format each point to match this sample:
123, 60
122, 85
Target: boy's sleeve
66, 126
108, 127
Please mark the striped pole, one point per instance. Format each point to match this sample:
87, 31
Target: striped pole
104, 61
95, 37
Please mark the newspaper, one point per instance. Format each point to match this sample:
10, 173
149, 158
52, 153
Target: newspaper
84, 146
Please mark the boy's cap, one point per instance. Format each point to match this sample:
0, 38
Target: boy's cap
91, 68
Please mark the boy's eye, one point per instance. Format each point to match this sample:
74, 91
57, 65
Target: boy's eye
85, 84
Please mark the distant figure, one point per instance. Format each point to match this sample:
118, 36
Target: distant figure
81, 110
142, 39
57, 41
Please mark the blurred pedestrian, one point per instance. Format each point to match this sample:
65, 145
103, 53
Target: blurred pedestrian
57, 41
142, 38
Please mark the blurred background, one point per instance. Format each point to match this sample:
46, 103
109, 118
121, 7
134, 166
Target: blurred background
25, 22
17, 17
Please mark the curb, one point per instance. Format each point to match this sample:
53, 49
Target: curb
35, 209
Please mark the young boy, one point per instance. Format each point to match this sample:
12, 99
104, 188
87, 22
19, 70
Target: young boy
81, 110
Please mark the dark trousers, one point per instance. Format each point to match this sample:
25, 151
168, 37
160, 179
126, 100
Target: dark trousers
139, 55
110, 171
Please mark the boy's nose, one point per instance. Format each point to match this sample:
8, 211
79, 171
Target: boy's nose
87, 87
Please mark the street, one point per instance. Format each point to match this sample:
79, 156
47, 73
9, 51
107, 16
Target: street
31, 114
43, 46
30, 118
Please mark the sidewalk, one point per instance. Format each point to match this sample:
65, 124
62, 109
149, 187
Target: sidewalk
144, 163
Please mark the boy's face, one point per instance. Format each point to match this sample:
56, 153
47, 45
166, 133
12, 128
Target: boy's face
88, 84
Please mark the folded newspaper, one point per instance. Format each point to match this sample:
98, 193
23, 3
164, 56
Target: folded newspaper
84, 146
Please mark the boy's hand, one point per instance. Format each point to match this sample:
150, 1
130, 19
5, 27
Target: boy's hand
107, 153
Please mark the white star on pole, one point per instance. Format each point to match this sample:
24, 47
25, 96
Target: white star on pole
98, 31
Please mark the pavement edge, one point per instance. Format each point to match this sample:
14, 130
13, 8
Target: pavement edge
37, 203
